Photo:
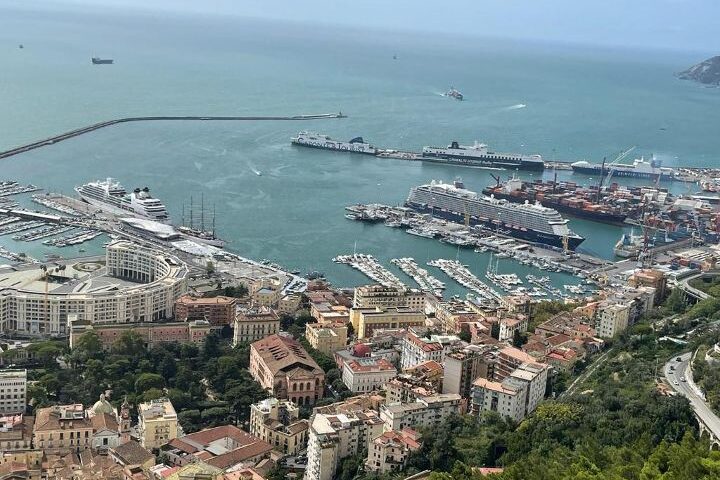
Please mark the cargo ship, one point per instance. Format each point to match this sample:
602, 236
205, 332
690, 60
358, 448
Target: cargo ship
530, 222
479, 155
102, 61
561, 196
640, 168
317, 140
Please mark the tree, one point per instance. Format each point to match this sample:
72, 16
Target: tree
146, 381
209, 268
129, 344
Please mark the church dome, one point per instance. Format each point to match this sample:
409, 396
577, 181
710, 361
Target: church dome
102, 406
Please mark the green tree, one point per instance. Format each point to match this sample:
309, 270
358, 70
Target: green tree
147, 381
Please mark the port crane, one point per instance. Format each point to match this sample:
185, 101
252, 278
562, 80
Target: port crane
606, 180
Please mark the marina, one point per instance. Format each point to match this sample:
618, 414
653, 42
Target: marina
368, 265
425, 281
460, 273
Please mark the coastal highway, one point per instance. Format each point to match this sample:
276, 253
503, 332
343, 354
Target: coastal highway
675, 373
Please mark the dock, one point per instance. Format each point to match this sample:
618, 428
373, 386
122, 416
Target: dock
427, 282
108, 123
368, 265
460, 273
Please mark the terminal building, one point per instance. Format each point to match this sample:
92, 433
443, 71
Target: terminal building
132, 284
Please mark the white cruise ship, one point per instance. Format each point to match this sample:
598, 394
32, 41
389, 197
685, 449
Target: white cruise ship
531, 222
110, 196
317, 140
478, 155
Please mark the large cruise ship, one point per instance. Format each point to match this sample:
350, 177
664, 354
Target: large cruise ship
531, 222
640, 168
317, 140
110, 196
478, 155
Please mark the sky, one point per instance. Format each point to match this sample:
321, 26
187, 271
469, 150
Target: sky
688, 25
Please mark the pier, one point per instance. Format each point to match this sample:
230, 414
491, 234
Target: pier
97, 126
368, 265
427, 282
460, 273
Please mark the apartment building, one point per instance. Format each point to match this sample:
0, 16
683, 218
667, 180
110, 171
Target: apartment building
425, 412
417, 349
278, 423
157, 423
367, 320
389, 452
62, 429
13, 391
462, 367
612, 319
367, 374
327, 336
219, 311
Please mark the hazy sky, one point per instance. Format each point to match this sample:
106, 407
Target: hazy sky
677, 24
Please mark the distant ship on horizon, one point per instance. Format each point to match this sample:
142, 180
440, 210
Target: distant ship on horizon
102, 61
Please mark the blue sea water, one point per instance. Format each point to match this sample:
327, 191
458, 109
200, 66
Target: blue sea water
564, 102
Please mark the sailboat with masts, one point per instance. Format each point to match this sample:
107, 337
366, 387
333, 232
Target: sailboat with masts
193, 226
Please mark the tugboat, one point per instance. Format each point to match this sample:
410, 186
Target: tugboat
454, 93
102, 61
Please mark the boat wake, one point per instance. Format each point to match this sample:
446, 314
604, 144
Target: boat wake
198, 166
516, 107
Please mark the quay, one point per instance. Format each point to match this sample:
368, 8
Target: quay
97, 126
427, 282
460, 273
368, 265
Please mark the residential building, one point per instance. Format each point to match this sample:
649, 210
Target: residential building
406, 388
453, 314
359, 351
326, 312
506, 398
337, 436
219, 311
425, 412
612, 319
289, 303
366, 375
509, 326
372, 296
366, 320
566, 323
254, 324
462, 367
650, 278
357, 404
417, 349
16, 432
278, 423
157, 423
266, 292
13, 391
389, 452
193, 331
131, 284
226, 447
283, 367
132, 454
429, 371
327, 336
62, 428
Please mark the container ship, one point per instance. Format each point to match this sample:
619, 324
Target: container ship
110, 196
530, 222
640, 168
563, 196
317, 140
478, 155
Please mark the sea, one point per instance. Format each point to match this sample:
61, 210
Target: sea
286, 204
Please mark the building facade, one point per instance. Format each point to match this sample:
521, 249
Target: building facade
326, 337
389, 452
13, 391
282, 366
157, 423
62, 429
193, 331
367, 374
425, 412
255, 324
278, 423
219, 311
366, 320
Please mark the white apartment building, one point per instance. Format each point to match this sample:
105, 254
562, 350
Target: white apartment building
334, 437
516, 396
425, 412
416, 350
13, 392
612, 319
367, 374
372, 296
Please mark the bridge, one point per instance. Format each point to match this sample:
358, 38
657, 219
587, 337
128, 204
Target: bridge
97, 126
691, 293
679, 375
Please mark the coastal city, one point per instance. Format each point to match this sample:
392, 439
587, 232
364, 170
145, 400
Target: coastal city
240, 243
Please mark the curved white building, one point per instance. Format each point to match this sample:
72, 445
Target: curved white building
131, 284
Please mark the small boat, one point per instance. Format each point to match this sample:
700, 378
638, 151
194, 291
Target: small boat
102, 61
454, 93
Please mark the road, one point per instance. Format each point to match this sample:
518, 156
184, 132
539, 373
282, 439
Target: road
674, 372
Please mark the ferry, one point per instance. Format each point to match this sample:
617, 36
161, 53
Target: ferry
110, 196
479, 155
640, 168
530, 222
317, 140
